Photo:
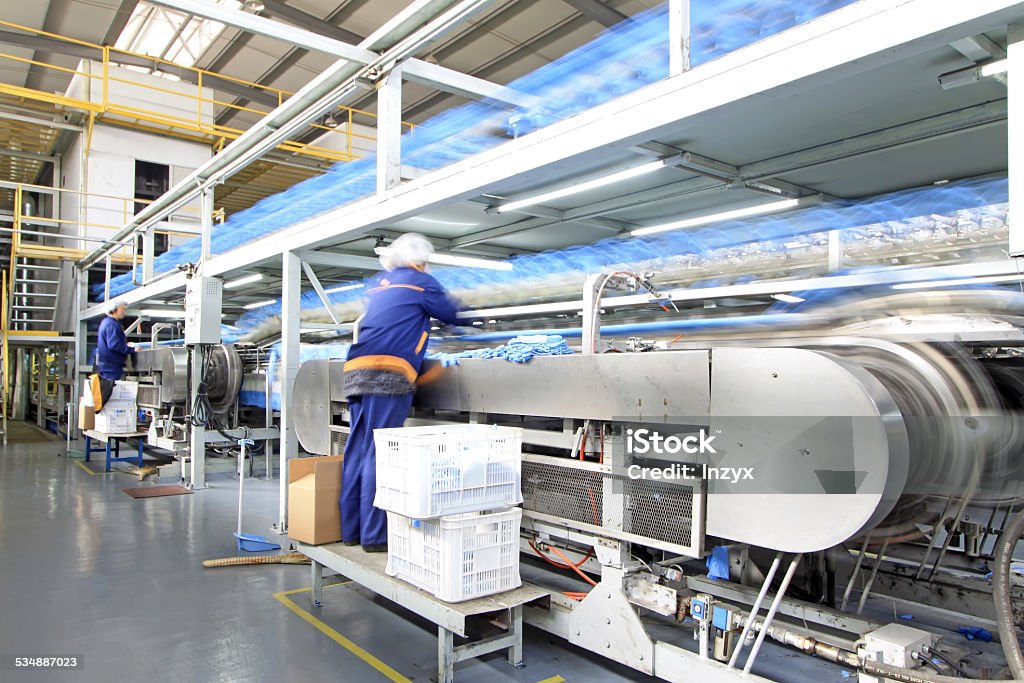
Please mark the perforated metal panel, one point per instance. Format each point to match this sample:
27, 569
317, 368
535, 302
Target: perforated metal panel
666, 515
338, 440
149, 396
660, 510
569, 493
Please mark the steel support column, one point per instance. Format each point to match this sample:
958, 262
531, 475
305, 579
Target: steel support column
678, 36
291, 287
1015, 133
389, 130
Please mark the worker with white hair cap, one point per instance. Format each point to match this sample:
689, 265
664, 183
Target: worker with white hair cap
380, 376
112, 349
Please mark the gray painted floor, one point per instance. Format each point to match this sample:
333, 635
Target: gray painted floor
85, 569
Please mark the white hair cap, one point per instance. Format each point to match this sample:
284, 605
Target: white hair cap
113, 305
410, 249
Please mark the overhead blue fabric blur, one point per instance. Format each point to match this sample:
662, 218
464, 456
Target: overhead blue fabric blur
621, 60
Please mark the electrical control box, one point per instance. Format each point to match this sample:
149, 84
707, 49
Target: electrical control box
202, 322
894, 644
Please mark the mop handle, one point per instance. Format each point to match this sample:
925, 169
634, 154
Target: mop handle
241, 479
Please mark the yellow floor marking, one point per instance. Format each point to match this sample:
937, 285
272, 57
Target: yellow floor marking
88, 471
553, 679
380, 666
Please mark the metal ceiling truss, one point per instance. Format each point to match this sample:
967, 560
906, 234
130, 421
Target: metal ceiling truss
418, 25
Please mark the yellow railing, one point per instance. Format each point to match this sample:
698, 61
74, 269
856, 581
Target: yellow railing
120, 209
6, 368
107, 105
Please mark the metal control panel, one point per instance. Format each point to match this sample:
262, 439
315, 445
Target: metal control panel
203, 296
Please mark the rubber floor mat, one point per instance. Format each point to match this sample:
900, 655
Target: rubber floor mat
157, 491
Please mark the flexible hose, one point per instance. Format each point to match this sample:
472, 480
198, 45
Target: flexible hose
559, 564
576, 569
1001, 594
895, 673
290, 558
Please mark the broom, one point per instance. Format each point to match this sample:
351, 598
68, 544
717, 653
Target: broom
289, 558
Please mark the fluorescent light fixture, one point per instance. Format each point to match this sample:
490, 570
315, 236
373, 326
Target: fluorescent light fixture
993, 68
344, 288
929, 284
581, 187
716, 217
259, 304
244, 280
453, 260
788, 298
973, 74
437, 222
162, 313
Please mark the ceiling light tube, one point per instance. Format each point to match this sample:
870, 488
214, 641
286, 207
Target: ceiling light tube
788, 298
581, 187
244, 280
161, 313
998, 67
344, 288
717, 217
470, 262
259, 304
453, 260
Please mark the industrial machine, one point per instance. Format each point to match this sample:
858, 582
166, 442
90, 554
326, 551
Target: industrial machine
163, 376
837, 482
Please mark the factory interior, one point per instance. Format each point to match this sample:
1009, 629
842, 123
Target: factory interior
718, 314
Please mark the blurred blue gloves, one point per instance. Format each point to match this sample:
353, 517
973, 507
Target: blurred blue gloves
518, 350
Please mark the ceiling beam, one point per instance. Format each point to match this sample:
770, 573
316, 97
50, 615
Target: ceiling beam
979, 48
304, 40
121, 16
547, 36
595, 10
335, 259
296, 17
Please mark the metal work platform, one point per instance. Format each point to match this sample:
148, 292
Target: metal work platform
367, 569
115, 441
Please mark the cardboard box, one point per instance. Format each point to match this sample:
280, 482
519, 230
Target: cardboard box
314, 485
124, 392
117, 418
86, 415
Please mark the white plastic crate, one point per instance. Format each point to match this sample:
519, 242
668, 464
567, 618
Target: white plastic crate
458, 557
426, 472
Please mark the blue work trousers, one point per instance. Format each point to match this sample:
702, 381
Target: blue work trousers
360, 521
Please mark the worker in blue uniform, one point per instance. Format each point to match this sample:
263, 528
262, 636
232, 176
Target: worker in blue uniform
113, 349
380, 376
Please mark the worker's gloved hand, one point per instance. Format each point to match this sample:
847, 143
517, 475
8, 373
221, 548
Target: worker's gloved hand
448, 360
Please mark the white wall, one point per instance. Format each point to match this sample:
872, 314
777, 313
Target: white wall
111, 172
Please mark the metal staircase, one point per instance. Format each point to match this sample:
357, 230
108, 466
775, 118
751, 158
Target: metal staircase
34, 292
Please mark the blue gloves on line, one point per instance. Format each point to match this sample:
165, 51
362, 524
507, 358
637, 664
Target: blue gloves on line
518, 350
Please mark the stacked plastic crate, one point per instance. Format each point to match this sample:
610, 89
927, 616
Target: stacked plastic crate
450, 494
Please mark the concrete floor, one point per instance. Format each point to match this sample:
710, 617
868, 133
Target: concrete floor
87, 570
